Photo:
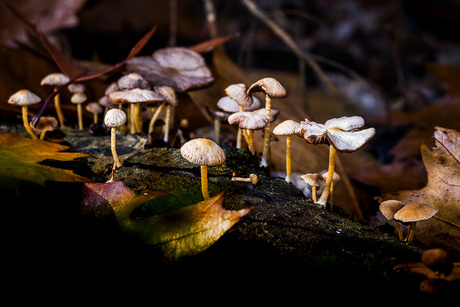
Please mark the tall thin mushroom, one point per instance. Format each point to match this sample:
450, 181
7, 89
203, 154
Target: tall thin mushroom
78, 98
56, 79
114, 118
287, 128
272, 89
171, 101
25, 98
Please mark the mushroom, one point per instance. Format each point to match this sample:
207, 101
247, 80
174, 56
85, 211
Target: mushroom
413, 213
388, 209
76, 87
135, 96
335, 178
272, 89
178, 67
252, 179
95, 109
237, 92
229, 105
341, 134
248, 121
315, 180
56, 79
171, 100
25, 98
78, 98
287, 128
45, 124
132, 81
203, 152
114, 118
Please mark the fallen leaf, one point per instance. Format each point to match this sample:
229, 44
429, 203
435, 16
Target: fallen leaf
20, 157
442, 191
181, 232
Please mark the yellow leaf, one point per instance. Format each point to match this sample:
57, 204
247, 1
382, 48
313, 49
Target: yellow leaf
20, 157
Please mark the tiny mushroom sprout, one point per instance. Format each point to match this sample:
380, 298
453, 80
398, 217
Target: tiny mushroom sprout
272, 89
413, 213
287, 128
341, 134
315, 181
248, 122
78, 98
135, 96
56, 80
114, 118
203, 152
253, 179
25, 98
388, 208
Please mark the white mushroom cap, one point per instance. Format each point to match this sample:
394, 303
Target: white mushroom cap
349, 141
24, 98
203, 152
114, 118
287, 127
131, 81
55, 79
168, 93
78, 97
237, 92
135, 95
270, 86
76, 87
229, 105
345, 123
415, 212
248, 120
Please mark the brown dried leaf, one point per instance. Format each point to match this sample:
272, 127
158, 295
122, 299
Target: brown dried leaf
442, 191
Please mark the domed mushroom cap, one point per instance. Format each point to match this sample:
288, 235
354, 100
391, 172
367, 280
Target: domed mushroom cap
248, 120
313, 179
114, 118
287, 127
131, 81
24, 98
237, 92
415, 212
390, 207
229, 105
55, 79
135, 95
94, 107
270, 86
76, 87
78, 97
46, 123
203, 152
335, 176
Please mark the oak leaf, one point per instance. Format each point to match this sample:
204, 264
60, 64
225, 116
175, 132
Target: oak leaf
442, 163
182, 232
20, 157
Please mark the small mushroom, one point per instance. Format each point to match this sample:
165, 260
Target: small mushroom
78, 98
203, 152
335, 178
170, 99
114, 118
131, 81
413, 213
315, 180
25, 98
95, 109
252, 179
287, 128
56, 80
388, 209
272, 89
76, 87
248, 122
45, 124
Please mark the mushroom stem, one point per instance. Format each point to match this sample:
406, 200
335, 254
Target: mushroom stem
80, 116
204, 182
153, 120
252, 179
330, 173
57, 105
167, 122
132, 118
247, 137
313, 193
398, 229
238, 138
266, 150
217, 130
137, 119
26, 123
288, 158
95, 118
410, 237
116, 161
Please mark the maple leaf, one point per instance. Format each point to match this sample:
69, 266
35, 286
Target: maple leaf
20, 157
182, 232
442, 191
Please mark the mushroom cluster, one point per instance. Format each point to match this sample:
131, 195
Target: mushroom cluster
396, 211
